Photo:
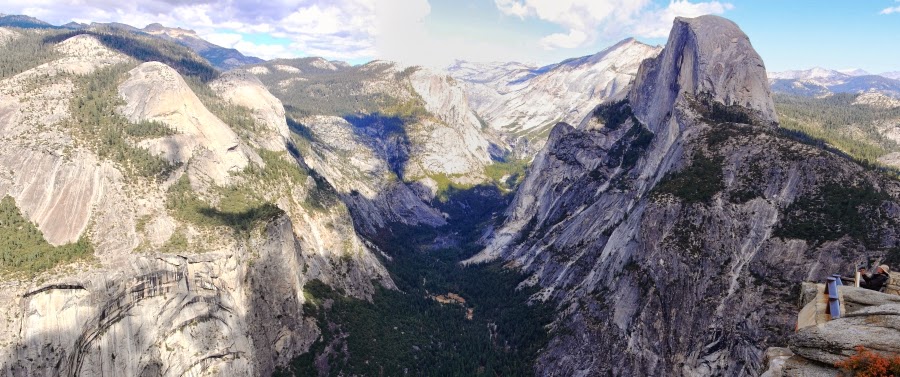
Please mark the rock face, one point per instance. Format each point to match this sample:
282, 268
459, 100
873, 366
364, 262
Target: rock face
386, 137
455, 145
705, 55
521, 99
357, 165
209, 314
875, 327
156, 92
243, 89
870, 321
227, 303
665, 229
58, 193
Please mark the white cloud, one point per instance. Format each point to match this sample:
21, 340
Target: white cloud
364, 29
401, 33
656, 24
890, 10
223, 39
573, 39
585, 20
237, 41
335, 29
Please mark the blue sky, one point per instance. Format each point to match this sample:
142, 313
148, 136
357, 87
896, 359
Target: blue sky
834, 34
793, 34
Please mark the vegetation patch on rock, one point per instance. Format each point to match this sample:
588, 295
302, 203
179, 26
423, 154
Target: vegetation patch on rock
96, 124
696, 183
833, 211
238, 207
23, 249
614, 114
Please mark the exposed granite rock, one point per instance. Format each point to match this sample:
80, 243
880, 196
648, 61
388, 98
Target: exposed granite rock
156, 92
870, 321
58, 191
687, 277
799, 367
519, 99
385, 135
708, 55
875, 327
426, 112
776, 357
243, 89
227, 305
357, 165
455, 145
166, 315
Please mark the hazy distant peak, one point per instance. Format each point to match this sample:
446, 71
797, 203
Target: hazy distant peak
854, 72
157, 28
807, 74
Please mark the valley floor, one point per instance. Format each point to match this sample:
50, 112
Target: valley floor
488, 329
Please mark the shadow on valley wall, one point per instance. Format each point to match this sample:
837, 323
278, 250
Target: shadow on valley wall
167, 314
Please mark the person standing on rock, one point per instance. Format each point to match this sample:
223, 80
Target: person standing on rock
876, 281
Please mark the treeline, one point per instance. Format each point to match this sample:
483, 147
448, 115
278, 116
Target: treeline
343, 92
238, 208
30, 48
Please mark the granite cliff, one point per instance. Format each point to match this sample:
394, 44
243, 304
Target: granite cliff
201, 226
672, 228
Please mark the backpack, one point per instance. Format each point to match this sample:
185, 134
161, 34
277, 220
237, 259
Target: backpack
892, 286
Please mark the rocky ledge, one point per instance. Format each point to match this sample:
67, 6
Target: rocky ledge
871, 321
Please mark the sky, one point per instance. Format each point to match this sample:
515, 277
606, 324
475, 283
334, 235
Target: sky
793, 34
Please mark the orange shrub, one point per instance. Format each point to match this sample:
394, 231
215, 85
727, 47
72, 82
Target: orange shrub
870, 364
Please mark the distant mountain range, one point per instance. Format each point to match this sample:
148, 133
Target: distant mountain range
819, 82
220, 57
528, 101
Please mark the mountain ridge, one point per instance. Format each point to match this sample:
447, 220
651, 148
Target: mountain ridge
221, 57
662, 227
818, 82
526, 101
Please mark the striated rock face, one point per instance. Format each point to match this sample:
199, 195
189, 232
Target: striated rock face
705, 55
666, 231
209, 314
872, 320
156, 92
59, 193
226, 304
356, 164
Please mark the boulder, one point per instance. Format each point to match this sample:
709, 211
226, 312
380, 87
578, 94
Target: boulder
874, 327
